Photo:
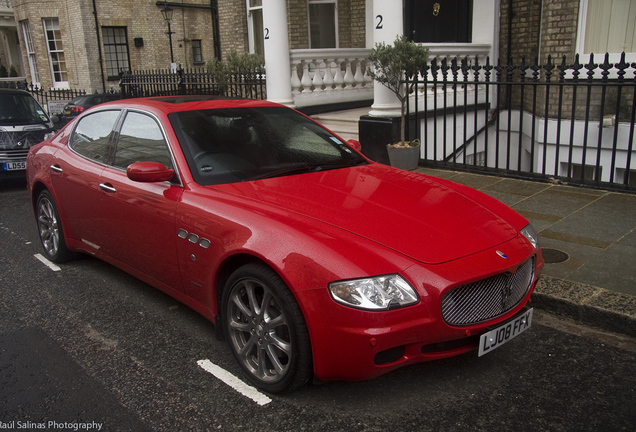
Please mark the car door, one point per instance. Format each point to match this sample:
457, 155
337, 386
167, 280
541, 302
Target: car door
139, 218
75, 173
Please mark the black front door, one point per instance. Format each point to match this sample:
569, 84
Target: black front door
438, 21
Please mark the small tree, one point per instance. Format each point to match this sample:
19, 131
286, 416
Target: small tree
243, 64
393, 64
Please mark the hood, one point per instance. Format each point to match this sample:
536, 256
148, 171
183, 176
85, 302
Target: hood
407, 212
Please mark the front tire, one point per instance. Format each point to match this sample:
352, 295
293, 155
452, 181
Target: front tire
50, 229
266, 329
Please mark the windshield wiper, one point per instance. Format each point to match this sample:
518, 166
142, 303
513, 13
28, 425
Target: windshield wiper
285, 171
303, 168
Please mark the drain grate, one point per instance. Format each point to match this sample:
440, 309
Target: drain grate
554, 256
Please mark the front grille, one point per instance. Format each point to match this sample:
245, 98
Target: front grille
488, 298
13, 155
20, 140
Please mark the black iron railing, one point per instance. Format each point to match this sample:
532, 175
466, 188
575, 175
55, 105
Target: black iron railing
189, 82
571, 123
44, 96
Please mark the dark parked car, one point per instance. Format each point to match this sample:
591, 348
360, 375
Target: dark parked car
23, 123
81, 103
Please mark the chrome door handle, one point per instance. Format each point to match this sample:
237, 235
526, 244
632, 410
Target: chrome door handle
107, 188
56, 169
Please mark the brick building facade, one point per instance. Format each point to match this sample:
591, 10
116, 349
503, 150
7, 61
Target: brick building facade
551, 28
132, 34
538, 28
136, 34
136, 30
233, 25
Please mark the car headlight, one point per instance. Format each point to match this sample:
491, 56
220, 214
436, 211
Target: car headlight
374, 293
532, 236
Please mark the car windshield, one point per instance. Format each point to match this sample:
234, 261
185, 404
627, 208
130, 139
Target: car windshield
244, 144
20, 109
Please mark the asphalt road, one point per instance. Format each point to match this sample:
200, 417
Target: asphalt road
90, 347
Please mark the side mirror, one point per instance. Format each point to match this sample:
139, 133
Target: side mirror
355, 144
149, 172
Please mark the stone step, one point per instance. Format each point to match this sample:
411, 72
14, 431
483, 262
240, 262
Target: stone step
343, 123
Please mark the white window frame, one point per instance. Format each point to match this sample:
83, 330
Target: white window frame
584, 57
28, 44
335, 12
55, 25
251, 31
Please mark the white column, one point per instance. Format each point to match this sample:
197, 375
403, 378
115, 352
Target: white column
277, 63
387, 25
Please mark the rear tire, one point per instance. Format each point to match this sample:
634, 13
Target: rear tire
266, 329
50, 229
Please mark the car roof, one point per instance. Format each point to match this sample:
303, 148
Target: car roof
169, 104
14, 91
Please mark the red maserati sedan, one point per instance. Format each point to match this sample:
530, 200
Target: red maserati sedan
311, 260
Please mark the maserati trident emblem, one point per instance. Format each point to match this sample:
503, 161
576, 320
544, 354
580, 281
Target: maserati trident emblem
501, 254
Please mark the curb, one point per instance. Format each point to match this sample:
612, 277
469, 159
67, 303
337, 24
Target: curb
597, 307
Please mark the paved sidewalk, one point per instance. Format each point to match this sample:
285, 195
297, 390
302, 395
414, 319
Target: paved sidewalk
589, 241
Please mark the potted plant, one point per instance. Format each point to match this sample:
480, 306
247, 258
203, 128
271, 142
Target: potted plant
391, 65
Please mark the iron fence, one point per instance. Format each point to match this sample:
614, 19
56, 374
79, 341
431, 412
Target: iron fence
45, 96
250, 85
570, 123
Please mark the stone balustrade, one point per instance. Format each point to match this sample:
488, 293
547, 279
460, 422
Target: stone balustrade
330, 76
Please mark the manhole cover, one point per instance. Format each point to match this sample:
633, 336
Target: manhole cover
554, 256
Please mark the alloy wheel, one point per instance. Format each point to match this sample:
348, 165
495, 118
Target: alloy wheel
259, 331
48, 226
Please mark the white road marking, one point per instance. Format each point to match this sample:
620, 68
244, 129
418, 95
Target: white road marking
47, 263
234, 382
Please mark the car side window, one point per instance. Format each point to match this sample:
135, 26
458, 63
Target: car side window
92, 135
141, 140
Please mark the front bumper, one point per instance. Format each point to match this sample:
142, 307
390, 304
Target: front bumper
350, 344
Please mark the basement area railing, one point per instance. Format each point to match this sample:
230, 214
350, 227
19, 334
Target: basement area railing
560, 122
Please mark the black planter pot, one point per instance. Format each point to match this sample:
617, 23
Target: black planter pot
375, 133
406, 158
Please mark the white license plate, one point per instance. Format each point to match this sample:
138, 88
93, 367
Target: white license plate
14, 166
502, 334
